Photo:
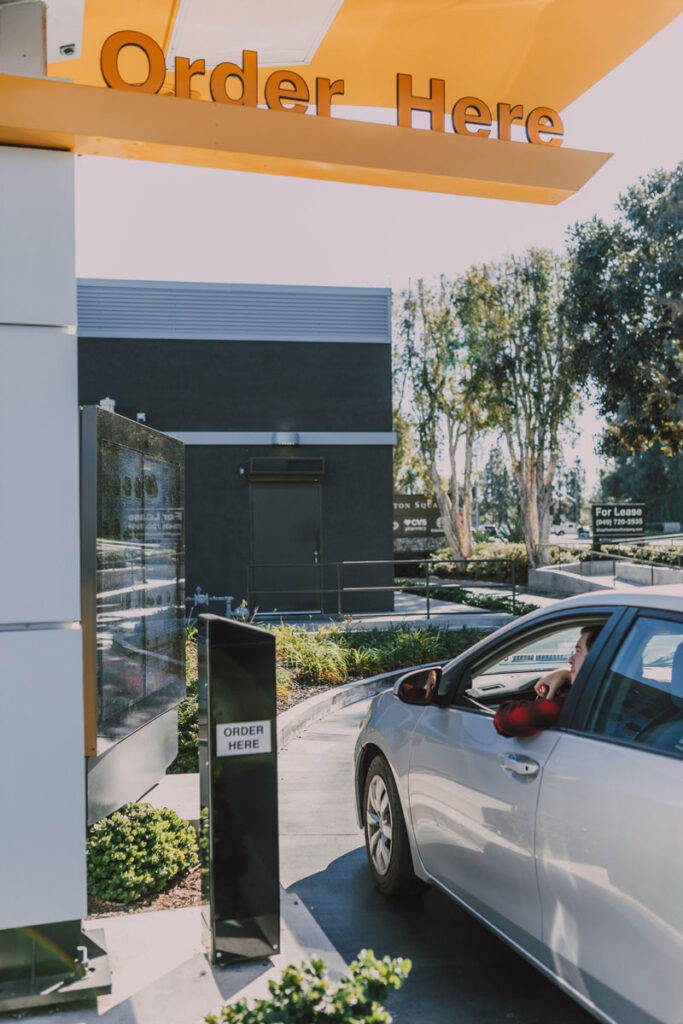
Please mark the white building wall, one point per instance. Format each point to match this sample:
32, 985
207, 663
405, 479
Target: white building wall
42, 787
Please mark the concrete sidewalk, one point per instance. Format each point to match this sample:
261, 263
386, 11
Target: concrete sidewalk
161, 974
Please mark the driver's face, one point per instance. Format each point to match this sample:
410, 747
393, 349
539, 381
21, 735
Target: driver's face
578, 657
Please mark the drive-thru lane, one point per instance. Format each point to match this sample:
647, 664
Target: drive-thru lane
461, 972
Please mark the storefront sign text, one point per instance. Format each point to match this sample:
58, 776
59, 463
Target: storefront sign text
288, 91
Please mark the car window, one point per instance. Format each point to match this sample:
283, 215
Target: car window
517, 669
641, 697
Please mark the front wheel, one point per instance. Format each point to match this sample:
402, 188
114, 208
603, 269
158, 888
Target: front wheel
386, 838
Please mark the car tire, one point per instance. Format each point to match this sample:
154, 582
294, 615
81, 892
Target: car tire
386, 837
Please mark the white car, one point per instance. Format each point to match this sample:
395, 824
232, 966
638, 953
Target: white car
569, 843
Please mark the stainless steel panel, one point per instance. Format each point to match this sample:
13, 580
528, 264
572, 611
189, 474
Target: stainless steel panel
131, 767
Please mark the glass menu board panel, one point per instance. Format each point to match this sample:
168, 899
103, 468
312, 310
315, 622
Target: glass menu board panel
139, 614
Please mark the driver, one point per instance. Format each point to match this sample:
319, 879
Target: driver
526, 717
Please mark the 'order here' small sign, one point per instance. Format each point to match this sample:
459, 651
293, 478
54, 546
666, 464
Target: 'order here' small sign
235, 738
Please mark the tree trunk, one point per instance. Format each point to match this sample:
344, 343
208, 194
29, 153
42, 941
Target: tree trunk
528, 508
448, 507
545, 489
463, 519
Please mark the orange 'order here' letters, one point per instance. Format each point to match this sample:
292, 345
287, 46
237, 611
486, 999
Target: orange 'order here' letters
288, 91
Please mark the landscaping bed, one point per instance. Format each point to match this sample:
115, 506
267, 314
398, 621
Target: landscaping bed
308, 663
185, 893
460, 595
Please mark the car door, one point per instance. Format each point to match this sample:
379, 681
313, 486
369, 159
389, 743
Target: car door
610, 831
473, 793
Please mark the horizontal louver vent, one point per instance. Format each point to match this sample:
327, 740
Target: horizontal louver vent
166, 310
283, 467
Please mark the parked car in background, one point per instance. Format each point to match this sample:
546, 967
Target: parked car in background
488, 531
559, 529
568, 843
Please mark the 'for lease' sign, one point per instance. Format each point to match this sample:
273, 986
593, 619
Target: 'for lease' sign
612, 521
233, 738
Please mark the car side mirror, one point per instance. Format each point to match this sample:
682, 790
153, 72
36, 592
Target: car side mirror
418, 687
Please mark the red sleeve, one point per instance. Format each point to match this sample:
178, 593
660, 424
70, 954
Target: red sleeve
526, 717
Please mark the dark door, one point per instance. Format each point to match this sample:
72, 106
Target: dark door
285, 543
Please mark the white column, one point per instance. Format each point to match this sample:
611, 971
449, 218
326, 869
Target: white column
42, 784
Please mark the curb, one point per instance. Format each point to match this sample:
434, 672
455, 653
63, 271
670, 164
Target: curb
293, 722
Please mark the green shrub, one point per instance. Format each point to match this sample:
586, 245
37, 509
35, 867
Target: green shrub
187, 759
334, 654
313, 655
648, 553
402, 647
498, 571
492, 602
641, 553
305, 995
137, 851
203, 849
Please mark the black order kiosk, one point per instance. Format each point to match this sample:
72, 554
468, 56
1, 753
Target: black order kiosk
238, 780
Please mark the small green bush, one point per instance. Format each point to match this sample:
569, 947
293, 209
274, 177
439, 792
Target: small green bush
187, 759
305, 995
137, 851
203, 848
334, 654
313, 655
647, 553
498, 570
403, 647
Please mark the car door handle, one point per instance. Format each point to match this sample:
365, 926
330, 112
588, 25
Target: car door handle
519, 764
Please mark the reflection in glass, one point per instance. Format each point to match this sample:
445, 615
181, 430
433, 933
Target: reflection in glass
140, 588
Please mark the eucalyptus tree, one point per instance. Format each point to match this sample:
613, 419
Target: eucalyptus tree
410, 476
626, 298
498, 500
437, 379
522, 343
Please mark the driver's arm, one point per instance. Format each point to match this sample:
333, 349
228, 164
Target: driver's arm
549, 685
524, 717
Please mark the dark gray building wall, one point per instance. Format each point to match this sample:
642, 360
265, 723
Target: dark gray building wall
240, 385
233, 359
357, 516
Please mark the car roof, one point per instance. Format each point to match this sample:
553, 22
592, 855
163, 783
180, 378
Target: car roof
668, 597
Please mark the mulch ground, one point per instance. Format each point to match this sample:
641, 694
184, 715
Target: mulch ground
185, 893
294, 694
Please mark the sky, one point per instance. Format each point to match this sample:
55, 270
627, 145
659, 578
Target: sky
148, 221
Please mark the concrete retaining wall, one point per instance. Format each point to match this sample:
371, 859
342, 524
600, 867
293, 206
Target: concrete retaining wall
564, 582
650, 575
596, 568
582, 577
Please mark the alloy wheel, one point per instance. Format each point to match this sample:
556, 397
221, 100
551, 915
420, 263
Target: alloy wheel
379, 825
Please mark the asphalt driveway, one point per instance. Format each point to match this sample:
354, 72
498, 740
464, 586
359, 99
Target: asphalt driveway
461, 972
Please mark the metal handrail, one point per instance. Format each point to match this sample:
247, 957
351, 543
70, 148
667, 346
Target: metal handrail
428, 563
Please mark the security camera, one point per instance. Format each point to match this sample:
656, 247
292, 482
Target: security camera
68, 49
